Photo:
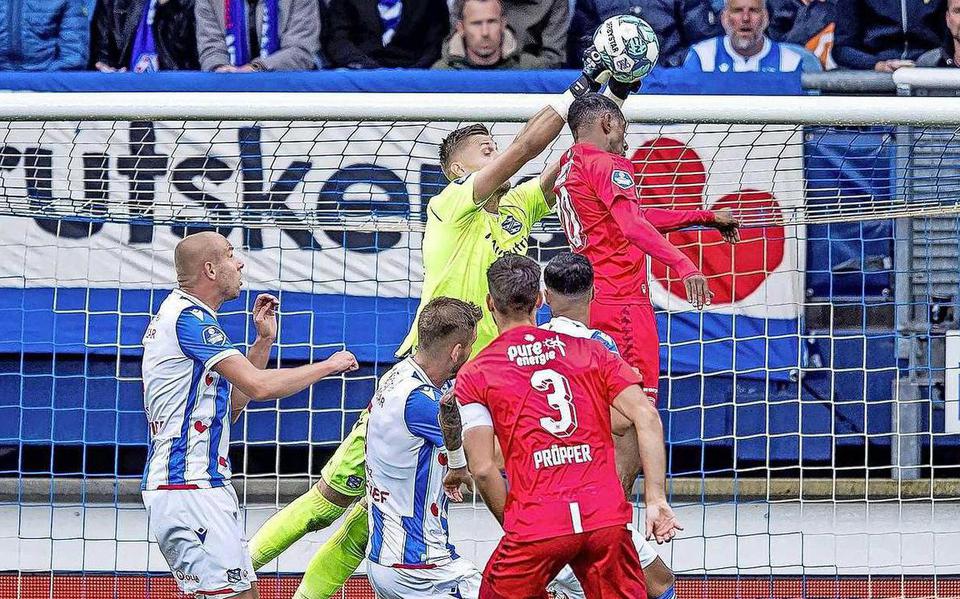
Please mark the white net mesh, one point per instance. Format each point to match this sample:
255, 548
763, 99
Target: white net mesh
790, 435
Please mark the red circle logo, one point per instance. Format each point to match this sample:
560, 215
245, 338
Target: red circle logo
670, 174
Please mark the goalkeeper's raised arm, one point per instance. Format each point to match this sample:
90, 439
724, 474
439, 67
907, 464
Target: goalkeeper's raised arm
541, 129
479, 216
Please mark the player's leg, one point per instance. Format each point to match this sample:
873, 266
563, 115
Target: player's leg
660, 579
337, 558
608, 565
200, 533
341, 482
522, 570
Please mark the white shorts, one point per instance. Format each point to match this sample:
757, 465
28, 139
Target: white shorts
201, 536
458, 578
567, 585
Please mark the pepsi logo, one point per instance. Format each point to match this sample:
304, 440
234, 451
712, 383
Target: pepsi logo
671, 174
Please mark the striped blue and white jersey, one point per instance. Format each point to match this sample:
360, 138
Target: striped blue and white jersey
717, 55
575, 328
406, 463
187, 403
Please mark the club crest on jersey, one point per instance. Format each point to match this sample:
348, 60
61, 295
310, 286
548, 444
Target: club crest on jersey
511, 225
536, 353
214, 336
233, 575
622, 179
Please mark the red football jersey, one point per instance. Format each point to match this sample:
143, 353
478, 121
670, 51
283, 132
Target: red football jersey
549, 396
591, 181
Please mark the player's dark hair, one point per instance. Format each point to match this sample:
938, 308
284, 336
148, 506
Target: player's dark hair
568, 274
444, 317
514, 282
454, 141
588, 108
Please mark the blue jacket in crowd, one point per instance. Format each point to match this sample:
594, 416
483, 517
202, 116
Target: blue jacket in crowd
869, 31
43, 35
678, 23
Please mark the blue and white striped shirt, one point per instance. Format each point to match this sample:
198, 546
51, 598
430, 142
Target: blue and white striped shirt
406, 463
187, 403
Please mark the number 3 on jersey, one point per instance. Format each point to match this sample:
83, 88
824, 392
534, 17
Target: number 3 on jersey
560, 398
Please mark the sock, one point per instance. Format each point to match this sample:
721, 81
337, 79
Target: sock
668, 594
307, 513
336, 559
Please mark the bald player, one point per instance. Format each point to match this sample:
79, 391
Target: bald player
195, 383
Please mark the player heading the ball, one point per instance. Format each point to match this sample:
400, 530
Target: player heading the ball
196, 382
546, 397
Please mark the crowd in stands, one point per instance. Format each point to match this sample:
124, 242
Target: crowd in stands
237, 36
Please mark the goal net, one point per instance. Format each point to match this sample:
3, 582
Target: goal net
810, 412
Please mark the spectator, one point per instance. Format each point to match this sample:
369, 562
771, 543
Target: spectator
243, 36
948, 55
144, 36
807, 23
541, 29
871, 34
43, 35
481, 38
370, 34
746, 46
679, 24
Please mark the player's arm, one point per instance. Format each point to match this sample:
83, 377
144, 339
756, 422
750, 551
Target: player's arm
633, 404
480, 445
666, 220
615, 188
265, 322
548, 178
540, 130
263, 385
451, 427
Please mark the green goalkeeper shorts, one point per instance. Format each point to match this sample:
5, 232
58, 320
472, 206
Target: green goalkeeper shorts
345, 472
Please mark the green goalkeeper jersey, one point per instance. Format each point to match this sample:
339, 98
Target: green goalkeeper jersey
462, 240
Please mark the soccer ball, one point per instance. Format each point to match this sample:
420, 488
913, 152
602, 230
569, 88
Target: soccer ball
628, 47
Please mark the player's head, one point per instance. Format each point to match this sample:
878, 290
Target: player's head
745, 21
568, 281
207, 267
467, 150
596, 119
514, 283
447, 328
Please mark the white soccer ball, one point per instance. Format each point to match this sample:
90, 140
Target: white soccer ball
628, 47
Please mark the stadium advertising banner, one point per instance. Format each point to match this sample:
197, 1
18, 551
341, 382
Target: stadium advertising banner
329, 216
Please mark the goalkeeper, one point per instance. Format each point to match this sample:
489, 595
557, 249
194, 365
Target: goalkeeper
478, 217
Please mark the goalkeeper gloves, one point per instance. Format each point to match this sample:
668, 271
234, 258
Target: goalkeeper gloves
592, 76
618, 91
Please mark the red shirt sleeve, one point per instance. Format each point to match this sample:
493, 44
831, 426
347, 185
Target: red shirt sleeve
617, 374
614, 185
666, 220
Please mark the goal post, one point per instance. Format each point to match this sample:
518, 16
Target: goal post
809, 411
